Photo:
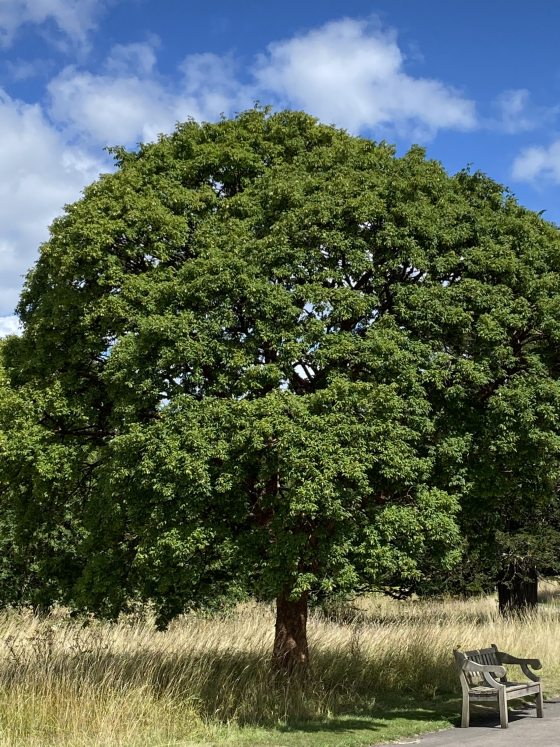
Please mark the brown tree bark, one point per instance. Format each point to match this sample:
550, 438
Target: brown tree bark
290, 652
517, 591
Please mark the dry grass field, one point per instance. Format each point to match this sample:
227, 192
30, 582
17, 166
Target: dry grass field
381, 669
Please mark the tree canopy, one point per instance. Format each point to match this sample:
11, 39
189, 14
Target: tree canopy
268, 357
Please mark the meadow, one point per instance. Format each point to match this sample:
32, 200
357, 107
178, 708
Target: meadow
381, 669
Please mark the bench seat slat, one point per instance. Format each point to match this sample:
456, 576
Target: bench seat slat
511, 687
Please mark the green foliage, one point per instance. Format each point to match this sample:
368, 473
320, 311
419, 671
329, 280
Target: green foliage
44, 481
267, 357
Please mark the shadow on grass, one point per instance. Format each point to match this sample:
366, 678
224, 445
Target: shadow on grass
402, 709
437, 713
341, 692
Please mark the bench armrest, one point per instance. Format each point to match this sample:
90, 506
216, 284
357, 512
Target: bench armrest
473, 666
509, 659
527, 672
523, 663
491, 681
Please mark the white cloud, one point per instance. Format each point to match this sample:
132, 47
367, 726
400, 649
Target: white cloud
512, 106
9, 325
18, 70
517, 113
40, 173
126, 59
352, 73
347, 72
112, 109
211, 81
130, 102
538, 162
75, 19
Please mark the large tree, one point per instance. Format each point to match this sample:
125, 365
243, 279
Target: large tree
251, 340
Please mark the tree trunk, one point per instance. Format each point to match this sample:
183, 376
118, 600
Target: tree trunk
290, 653
517, 591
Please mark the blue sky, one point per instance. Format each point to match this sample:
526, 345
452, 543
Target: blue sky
476, 83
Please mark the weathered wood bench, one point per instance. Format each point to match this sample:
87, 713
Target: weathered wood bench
484, 678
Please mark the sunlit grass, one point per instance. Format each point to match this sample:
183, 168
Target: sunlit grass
208, 680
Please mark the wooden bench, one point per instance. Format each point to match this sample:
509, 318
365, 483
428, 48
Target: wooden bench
484, 678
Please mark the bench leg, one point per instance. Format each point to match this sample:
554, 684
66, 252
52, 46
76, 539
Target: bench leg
502, 701
465, 713
540, 713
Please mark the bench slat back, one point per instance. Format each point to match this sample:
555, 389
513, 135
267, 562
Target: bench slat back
484, 656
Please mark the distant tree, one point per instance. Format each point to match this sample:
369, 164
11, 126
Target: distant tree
499, 403
249, 344
512, 510
510, 517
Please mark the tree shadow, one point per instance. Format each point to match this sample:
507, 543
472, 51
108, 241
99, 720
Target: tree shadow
482, 717
408, 710
225, 685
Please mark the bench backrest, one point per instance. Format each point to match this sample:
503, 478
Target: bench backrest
480, 656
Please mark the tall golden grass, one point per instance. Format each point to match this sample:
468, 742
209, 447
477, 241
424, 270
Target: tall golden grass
86, 683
